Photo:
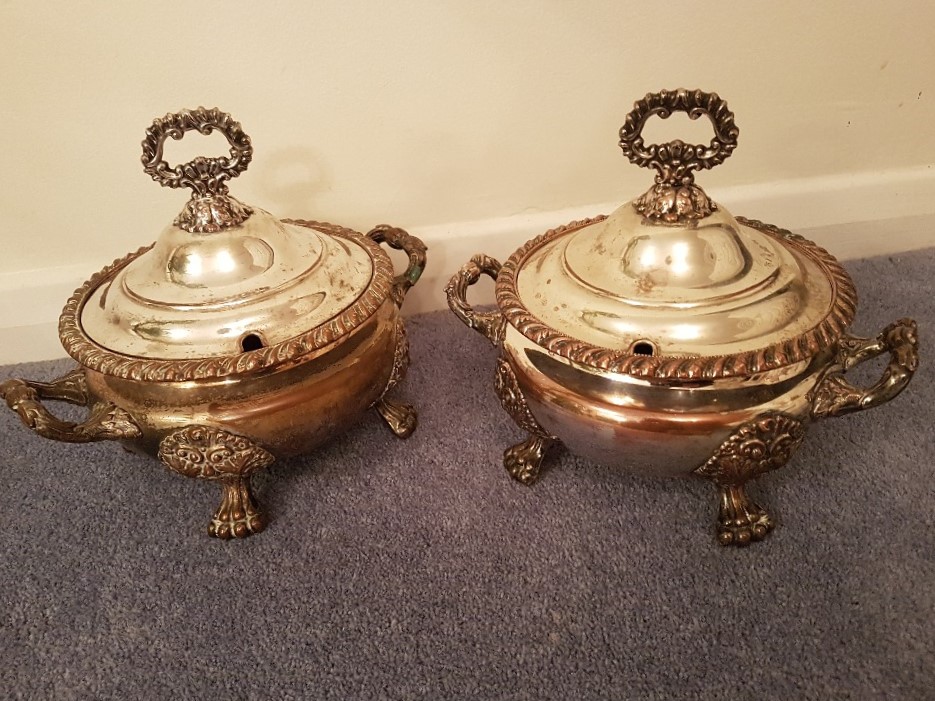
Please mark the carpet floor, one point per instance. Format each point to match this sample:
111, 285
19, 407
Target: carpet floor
418, 569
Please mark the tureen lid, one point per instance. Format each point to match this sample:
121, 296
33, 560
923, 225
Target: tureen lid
224, 278
672, 276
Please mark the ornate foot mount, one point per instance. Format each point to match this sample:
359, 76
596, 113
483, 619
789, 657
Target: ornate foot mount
523, 460
401, 418
400, 357
215, 454
763, 444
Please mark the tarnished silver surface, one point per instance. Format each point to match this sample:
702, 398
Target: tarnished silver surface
655, 429
672, 338
234, 340
215, 454
835, 395
758, 446
210, 208
675, 198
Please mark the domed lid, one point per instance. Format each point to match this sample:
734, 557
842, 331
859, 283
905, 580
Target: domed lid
673, 277
224, 278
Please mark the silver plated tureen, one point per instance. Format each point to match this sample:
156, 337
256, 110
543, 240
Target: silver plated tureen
235, 339
672, 338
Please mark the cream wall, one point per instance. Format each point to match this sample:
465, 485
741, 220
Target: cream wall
448, 117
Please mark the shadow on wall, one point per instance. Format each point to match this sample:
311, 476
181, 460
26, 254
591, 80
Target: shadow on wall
291, 180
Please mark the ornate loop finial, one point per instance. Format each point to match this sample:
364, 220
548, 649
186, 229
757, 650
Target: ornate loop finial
210, 209
205, 176
675, 198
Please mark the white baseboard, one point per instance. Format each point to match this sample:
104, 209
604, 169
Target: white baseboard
853, 216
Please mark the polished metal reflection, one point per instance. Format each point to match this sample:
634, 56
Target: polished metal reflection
711, 287
197, 295
235, 340
671, 338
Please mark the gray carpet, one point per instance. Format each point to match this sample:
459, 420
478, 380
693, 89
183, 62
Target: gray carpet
418, 569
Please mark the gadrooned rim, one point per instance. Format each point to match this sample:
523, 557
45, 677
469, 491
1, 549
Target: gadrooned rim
783, 353
95, 357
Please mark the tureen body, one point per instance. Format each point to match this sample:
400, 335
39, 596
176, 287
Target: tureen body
671, 338
235, 339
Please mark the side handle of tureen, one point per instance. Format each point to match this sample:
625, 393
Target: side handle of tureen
488, 324
401, 240
106, 422
522, 461
401, 418
835, 396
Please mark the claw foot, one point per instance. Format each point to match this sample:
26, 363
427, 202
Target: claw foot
740, 520
401, 418
523, 460
238, 515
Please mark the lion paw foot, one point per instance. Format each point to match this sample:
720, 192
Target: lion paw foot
741, 521
238, 515
523, 460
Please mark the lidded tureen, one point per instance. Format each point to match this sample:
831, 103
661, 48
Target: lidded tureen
235, 338
671, 337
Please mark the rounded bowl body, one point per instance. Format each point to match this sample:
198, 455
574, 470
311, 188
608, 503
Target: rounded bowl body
661, 428
288, 410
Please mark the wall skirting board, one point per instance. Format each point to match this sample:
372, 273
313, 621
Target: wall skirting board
853, 216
